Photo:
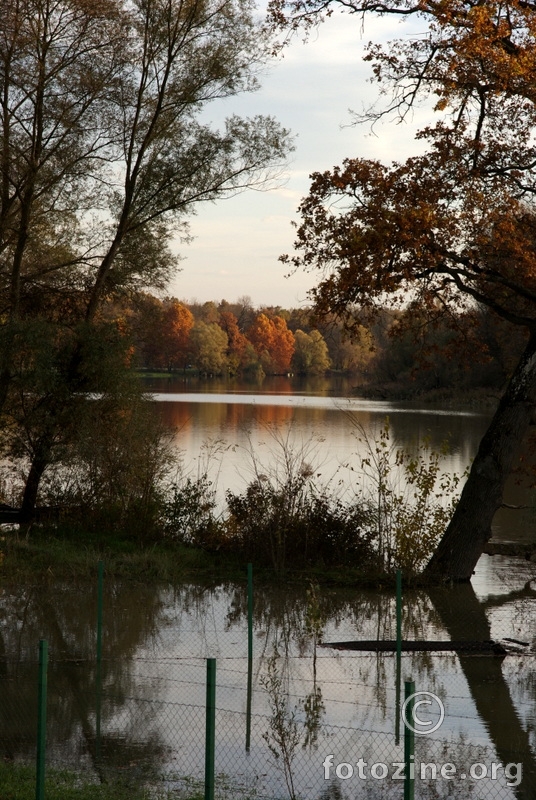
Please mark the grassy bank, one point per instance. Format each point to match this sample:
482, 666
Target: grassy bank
49, 555
17, 782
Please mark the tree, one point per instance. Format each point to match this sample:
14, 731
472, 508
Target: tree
178, 322
450, 228
283, 345
310, 354
273, 343
348, 353
103, 155
209, 347
237, 344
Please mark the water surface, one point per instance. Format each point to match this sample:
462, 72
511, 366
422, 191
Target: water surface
233, 431
145, 717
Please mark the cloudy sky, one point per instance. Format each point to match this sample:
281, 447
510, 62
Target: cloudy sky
311, 91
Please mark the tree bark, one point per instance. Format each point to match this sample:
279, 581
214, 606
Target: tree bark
38, 466
470, 527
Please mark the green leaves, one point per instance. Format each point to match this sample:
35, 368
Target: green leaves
410, 500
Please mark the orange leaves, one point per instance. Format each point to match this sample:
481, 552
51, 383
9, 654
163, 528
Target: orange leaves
428, 228
178, 322
458, 223
237, 343
273, 343
163, 330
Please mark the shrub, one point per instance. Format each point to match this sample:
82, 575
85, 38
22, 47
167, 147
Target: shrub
294, 523
410, 501
188, 512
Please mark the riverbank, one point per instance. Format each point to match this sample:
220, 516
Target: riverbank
17, 782
46, 556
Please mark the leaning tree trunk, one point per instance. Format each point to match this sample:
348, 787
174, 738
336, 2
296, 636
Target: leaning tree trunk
470, 527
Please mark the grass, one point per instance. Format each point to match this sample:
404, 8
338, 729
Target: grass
53, 554
49, 554
17, 782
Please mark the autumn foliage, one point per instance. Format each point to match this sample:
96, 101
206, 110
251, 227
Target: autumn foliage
450, 230
273, 343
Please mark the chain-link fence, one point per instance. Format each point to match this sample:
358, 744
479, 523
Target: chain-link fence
319, 722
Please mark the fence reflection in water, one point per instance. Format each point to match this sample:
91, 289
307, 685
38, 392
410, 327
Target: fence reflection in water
141, 717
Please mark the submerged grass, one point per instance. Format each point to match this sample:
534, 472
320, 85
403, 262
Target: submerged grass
17, 782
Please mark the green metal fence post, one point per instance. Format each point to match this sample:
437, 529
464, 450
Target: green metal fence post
41, 720
409, 741
250, 656
398, 653
100, 581
210, 739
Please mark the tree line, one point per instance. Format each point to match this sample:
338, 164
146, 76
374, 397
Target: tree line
236, 339
398, 355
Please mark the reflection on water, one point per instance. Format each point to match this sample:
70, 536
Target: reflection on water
156, 639
153, 689
318, 416
348, 404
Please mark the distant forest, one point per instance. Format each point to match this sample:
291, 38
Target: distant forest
401, 352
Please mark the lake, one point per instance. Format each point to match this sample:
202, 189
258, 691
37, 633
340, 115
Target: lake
231, 428
145, 717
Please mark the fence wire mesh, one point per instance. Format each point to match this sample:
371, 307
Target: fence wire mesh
325, 723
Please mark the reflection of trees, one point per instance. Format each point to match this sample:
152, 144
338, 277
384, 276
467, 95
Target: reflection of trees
454, 614
63, 617
144, 622
464, 617
281, 614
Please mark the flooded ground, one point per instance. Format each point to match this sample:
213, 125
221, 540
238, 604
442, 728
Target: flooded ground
143, 714
151, 700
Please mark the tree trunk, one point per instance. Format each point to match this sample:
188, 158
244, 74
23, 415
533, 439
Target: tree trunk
470, 527
39, 463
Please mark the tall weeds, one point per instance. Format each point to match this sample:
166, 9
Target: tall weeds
283, 736
409, 500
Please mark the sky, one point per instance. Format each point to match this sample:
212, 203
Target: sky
310, 90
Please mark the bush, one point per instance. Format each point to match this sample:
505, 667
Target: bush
113, 476
410, 500
188, 512
293, 524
